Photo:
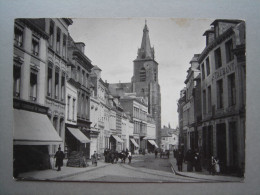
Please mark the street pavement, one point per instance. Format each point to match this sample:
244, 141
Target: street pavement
53, 174
144, 168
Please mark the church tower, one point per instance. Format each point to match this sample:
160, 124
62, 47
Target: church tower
145, 80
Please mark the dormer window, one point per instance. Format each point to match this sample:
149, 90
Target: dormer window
51, 32
229, 51
58, 40
18, 36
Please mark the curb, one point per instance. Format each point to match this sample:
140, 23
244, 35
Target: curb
78, 173
207, 179
62, 176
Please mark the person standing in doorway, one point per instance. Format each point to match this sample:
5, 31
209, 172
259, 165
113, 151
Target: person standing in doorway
59, 159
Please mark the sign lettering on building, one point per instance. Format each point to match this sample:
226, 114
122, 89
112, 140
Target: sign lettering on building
223, 71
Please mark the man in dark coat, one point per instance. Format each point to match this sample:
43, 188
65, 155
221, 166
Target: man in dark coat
59, 159
197, 164
189, 157
156, 152
94, 158
179, 157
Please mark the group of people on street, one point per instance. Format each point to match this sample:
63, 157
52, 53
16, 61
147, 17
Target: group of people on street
194, 161
192, 158
112, 156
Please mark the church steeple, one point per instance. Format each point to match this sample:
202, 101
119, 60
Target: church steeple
146, 51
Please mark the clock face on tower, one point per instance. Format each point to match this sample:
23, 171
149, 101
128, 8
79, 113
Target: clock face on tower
146, 65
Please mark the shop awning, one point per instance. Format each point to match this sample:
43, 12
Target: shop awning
78, 135
153, 143
134, 142
31, 128
118, 139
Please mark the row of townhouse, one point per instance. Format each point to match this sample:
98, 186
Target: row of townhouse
60, 99
212, 105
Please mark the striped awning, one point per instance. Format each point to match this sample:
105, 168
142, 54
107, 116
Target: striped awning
78, 135
118, 139
153, 143
134, 142
31, 128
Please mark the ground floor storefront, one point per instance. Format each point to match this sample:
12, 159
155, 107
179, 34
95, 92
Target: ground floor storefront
116, 143
225, 140
34, 140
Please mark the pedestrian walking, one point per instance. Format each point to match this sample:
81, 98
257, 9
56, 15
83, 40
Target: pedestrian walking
179, 157
94, 158
59, 155
129, 157
156, 153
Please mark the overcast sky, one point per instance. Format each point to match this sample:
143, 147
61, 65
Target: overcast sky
112, 45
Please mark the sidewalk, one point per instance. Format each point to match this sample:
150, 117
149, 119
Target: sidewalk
53, 174
204, 174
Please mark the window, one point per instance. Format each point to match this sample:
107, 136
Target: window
203, 71
220, 94
82, 106
209, 99
83, 78
18, 36
51, 33
64, 43
62, 87
204, 101
16, 80
208, 66
86, 107
229, 50
155, 75
73, 109
49, 84
33, 85
55, 122
35, 46
218, 61
58, 41
78, 74
231, 90
56, 83
142, 74
68, 108
61, 127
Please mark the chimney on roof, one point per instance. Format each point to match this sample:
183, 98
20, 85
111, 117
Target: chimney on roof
81, 46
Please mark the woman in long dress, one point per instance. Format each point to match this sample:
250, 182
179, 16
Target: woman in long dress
216, 166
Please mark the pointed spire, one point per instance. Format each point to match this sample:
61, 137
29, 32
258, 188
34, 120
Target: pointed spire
145, 51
